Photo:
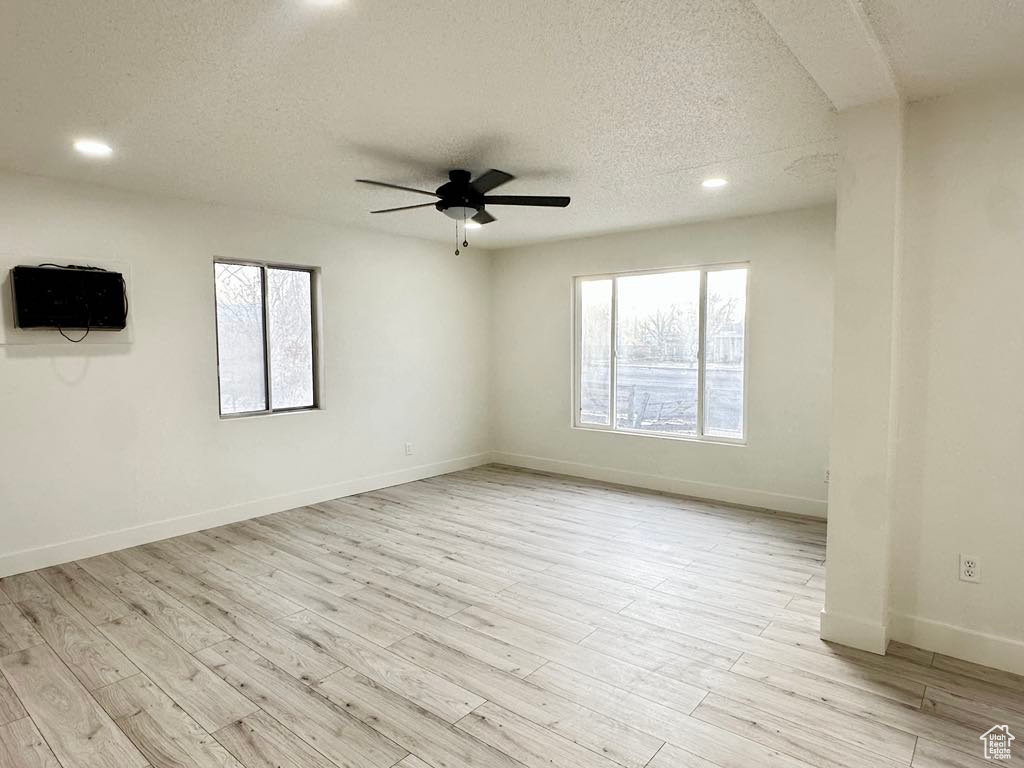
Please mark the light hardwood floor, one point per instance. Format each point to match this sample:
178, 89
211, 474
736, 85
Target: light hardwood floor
491, 618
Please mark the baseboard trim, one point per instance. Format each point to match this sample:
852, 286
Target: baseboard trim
988, 650
111, 541
748, 497
854, 632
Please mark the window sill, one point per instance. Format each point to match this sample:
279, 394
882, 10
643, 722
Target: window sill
264, 414
734, 442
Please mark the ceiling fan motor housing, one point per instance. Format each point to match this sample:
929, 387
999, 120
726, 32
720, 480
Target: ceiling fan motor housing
458, 199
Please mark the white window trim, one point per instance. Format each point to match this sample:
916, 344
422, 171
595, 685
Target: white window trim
315, 332
577, 353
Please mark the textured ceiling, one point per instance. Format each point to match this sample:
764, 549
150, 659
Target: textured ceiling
937, 46
835, 43
279, 105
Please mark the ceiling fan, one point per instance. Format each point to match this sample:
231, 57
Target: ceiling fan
465, 200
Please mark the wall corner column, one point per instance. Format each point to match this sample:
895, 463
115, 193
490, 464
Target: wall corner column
866, 350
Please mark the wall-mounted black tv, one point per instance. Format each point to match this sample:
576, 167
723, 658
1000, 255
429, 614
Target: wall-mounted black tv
69, 298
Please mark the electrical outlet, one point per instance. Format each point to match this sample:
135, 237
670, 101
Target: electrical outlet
828, 475
408, 449
970, 568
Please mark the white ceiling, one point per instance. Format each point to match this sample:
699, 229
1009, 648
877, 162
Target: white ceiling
280, 104
862, 51
835, 43
938, 46
625, 106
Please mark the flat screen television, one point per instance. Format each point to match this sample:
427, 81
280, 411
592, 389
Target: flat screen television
69, 298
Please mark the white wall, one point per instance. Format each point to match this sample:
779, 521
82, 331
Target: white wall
789, 357
868, 220
97, 440
960, 454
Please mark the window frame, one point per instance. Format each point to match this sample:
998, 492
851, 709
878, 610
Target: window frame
314, 305
577, 353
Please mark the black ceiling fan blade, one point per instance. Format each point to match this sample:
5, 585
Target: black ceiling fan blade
404, 208
547, 201
483, 217
396, 186
489, 180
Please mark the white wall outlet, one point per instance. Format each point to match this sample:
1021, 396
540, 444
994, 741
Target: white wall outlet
408, 449
970, 568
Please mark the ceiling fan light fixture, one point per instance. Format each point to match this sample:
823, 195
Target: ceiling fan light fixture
470, 224
460, 212
714, 183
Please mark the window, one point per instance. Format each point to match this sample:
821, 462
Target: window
266, 338
663, 352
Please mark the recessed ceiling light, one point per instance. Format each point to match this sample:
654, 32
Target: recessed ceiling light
473, 225
93, 148
713, 183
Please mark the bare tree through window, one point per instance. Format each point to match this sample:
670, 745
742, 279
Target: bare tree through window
265, 335
656, 352
725, 342
289, 298
667, 347
596, 312
240, 341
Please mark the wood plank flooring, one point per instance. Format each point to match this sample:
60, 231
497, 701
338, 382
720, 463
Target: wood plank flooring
492, 618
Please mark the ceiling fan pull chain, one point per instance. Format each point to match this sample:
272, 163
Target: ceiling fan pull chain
456, 237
